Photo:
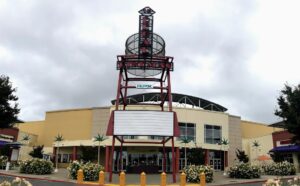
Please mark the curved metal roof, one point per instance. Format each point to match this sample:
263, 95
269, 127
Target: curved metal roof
177, 98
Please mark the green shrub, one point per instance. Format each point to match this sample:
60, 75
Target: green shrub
90, 170
73, 168
193, 171
3, 161
279, 169
36, 166
244, 170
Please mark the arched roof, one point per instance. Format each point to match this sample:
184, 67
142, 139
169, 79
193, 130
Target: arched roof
177, 98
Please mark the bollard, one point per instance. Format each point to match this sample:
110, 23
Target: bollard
163, 179
202, 179
182, 179
122, 179
143, 179
79, 176
101, 178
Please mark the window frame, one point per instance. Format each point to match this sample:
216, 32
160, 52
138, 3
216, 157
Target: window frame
212, 128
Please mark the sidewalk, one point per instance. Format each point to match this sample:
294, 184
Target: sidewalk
151, 179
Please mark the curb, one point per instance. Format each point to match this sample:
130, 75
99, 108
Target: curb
35, 178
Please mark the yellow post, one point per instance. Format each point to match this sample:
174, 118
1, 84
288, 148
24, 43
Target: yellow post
143, 179
202, 179
79, 176
122, 179
182, 179
163, 179
101, 178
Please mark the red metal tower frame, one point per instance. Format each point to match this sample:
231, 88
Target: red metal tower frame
144, 60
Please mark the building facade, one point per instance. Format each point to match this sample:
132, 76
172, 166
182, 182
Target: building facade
203, 122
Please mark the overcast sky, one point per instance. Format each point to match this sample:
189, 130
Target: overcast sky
62, 54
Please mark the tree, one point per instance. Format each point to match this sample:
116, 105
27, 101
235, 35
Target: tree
256, 145
196, 156
88, 153
8, 103
185, 140
99, 138
37, 151
241, 156
59, 138
289, 110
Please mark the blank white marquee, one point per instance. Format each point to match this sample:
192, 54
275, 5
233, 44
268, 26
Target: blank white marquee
143, 123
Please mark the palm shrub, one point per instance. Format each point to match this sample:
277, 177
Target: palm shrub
241, 156
37, 151
36, 166
99, 138
245, 171
193, 172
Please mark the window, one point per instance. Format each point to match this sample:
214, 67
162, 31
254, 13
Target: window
155, 137
187, 130
212, 134
129, 137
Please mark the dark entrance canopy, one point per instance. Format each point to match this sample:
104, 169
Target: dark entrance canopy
289, 148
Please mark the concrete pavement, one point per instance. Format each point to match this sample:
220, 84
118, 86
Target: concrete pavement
152, 179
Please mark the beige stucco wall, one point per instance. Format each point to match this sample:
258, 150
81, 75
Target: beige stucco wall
72, 124
100, 118
35, 129
79, 126
235, 138
200, 118
254, 129
266, 144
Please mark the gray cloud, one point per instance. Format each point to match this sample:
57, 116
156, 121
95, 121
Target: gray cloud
56, 65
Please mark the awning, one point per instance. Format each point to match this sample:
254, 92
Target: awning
289, 148
2, 143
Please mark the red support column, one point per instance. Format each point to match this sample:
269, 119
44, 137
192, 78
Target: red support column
111, 159
169, 90
54, 154
74, 154
125, 95
106, 159
173, 161
161, 95
206, 157
177, 159
118, 90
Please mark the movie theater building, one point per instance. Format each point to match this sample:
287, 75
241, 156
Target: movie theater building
203, 122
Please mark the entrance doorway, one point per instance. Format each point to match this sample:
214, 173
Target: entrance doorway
216, 160
137, 160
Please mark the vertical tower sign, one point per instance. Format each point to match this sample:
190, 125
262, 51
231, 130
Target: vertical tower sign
145, 32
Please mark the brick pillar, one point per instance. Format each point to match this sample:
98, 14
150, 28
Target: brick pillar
74, 153
54, 154
206, 161
107, 150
